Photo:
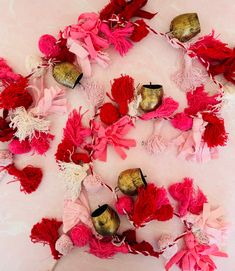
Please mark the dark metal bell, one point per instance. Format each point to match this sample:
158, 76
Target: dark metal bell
151, 97
130, 180
67, 74
185, 26
105, 220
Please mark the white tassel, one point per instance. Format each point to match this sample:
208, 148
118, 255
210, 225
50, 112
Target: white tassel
26, 124
133, 106
34, 64
73, 175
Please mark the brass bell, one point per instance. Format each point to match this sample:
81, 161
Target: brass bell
67, 74
185, 26
151, 97
105, 220
130, 180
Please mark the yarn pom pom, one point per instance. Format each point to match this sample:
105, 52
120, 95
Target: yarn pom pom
105, 249
123, 92
80, 235
6, 132
199, 100
93, 183
40, 143
124, 205
140, 31
48, 46
29, 177
64, 245
6, 73
215, 133
182, 122
46, 232
19, 147
16, 95
109, 113
151, 203
189, 199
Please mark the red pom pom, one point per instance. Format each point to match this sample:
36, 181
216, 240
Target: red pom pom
140, 31
6, 133
16, 95
41, 142
19, 147
30, 177
124, 205
48, 46
46, 232
64, 151
80, 235
149, 205
215, 133
123, 92
109, 113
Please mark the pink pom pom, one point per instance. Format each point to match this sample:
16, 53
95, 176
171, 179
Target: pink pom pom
19, 147
124, 205
182, 122
80, 235
48, 46
64, 244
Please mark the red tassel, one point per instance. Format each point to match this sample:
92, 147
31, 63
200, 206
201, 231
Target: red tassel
123, 92
109, 113
151, 203
199, 101
16, 95
46, 232
6, 133
64, 151
29, 177
215, 133
140, 31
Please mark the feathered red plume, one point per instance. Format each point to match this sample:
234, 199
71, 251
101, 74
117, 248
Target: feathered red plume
140, 31
188, 198
16, 95
220, 57
123, 92
46, 232
74, 130
215, 133
151, 203
143, 247
6, 133
29, 177
199, 101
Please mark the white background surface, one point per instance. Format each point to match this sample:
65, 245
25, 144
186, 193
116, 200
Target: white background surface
21, 24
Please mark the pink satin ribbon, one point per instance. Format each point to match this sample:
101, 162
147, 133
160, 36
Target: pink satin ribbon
192, 147
83, 40
195, 256
112, 135
75, 212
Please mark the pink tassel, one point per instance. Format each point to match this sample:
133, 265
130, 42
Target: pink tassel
40, 143
188, 77
19, 147
165, 110
118, 37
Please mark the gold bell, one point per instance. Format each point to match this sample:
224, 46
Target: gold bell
151, 97
67, 74
105, 220
185, 26
130, 180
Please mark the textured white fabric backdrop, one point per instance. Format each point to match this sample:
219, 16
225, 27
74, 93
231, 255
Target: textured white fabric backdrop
21, 24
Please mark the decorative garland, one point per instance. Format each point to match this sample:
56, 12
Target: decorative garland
25, 123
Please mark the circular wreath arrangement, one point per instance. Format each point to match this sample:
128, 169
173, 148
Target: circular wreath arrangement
25, 122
